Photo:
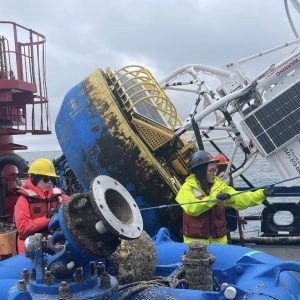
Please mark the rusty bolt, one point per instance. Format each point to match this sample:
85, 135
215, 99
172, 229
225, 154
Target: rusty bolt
100, 268
47, 278
63, 291
21, 285
104, 280
25, 275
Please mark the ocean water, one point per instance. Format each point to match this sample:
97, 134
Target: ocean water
259, 174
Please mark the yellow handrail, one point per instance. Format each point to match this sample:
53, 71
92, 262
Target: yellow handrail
137, 77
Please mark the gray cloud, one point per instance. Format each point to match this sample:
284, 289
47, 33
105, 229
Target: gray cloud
162, 35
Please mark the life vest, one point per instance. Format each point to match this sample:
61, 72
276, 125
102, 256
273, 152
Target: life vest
210, 223
41, 207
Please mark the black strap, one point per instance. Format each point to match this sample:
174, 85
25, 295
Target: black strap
46, 201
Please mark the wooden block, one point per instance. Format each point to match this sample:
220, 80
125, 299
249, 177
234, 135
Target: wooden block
8, 243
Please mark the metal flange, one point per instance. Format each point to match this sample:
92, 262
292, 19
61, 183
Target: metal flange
117, 210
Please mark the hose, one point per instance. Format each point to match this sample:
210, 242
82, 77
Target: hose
143, 285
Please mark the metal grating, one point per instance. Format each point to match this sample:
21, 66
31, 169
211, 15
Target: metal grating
154, 136
277, 122
141, 94
145, 108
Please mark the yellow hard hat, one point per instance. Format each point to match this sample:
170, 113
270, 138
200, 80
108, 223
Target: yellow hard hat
42, 166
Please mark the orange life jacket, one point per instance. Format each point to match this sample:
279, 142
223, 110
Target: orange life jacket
41, 207
210, 223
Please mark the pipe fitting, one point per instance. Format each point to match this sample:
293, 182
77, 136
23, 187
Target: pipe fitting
108, 213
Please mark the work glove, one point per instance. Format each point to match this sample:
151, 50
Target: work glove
223, 196
270, 190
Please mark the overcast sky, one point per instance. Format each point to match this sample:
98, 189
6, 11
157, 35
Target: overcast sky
159, 34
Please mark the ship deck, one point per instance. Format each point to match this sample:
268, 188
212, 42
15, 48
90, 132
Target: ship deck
284, 252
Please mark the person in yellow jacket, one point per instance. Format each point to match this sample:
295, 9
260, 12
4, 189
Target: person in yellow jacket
205, 220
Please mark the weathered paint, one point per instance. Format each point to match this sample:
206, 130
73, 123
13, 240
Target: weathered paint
96, 139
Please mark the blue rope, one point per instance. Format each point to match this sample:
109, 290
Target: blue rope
216, 200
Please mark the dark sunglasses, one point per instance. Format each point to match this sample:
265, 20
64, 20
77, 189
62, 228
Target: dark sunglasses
46, 179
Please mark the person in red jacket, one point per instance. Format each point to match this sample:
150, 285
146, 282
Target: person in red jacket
38, 199
233, 219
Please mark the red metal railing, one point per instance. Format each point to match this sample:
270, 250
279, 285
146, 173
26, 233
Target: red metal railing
23, 89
